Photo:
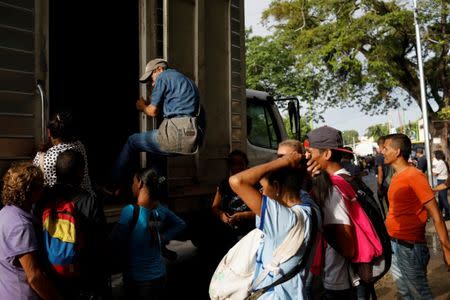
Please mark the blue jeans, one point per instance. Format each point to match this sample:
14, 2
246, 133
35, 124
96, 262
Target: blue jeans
409, 270
138, 142
443, 200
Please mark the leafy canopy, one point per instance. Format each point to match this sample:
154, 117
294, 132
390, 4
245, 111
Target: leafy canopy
343, 52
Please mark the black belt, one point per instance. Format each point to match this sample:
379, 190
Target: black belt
407, 244
176, 116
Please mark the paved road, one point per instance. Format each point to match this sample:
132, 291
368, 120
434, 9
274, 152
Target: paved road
438, 277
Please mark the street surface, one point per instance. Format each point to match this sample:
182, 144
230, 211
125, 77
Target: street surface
189, 275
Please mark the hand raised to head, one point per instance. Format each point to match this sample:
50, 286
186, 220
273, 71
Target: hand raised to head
293, 159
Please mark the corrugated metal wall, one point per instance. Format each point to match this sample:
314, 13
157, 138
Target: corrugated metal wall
17, 81
237, 75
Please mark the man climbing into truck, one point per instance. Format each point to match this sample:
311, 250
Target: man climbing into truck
179, 132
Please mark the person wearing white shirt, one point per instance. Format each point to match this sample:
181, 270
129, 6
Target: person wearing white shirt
440, 170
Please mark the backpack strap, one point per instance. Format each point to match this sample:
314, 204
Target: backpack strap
263, 212
295, 270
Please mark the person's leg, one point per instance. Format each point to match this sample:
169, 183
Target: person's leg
409, 269
138, 142
150, 290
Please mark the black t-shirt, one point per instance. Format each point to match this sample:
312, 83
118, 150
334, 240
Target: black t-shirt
387, 170
231, 203
422, 163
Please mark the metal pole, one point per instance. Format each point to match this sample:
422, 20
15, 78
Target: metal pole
423, 98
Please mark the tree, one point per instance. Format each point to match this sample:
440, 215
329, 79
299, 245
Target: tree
270, 67
350, 136
410, 130
364, 52
376, 131
304, 128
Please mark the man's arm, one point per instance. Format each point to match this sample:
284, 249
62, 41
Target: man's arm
441, 229
440, 187
150, 110
379, 176
36, 278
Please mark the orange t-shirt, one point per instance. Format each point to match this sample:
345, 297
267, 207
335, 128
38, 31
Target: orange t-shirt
408, 192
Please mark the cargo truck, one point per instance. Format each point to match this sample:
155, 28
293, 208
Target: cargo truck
88, 57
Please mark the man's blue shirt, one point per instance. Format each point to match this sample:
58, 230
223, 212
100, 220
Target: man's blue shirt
179, 94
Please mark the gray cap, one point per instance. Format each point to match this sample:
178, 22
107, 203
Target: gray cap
151, 66
326, 137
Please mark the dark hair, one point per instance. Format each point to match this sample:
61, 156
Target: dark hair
347, 155
70, 167
62, 126
401, 142
321, 187
151, 179
19, 182
419, 150
291, 179
381, 140
237, 153
439, 154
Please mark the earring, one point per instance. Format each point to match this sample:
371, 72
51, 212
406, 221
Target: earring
277, 194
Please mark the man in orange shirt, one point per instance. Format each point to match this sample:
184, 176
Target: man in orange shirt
410, 201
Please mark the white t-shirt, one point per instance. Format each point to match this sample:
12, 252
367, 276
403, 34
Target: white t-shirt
335, 266
440, 168
50, 158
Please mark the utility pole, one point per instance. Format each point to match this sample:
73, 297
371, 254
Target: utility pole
422, 96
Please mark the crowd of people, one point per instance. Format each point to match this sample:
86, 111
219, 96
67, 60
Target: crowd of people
54, 241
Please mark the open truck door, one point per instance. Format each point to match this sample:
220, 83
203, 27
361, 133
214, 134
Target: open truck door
23, 78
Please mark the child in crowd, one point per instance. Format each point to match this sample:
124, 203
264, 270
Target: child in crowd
235, 216
281, 181
140, 240
90, 242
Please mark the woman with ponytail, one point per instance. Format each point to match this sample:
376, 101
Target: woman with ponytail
140, 236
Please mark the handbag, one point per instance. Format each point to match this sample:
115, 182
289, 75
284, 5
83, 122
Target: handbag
178, 135
182, 135
234, 276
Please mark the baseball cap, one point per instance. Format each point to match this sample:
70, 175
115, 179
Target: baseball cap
326, 137
151, 66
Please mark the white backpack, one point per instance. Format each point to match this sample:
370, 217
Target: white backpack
233, 278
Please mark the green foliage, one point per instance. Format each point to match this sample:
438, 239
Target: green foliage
410, 129
350, 136
304, 128
352, 52
376, 131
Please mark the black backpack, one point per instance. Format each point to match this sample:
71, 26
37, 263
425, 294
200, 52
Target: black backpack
373, 210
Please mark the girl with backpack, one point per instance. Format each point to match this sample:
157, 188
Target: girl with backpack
279, 209
141, 233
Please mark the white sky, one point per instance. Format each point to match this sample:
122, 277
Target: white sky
342, 119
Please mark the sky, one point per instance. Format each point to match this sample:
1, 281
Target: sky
338, 118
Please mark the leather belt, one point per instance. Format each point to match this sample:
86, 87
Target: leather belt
407, 244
